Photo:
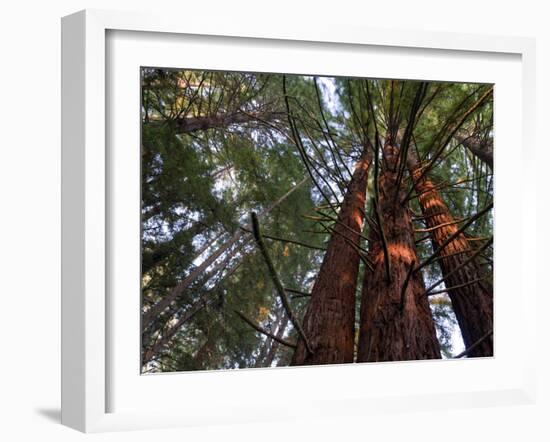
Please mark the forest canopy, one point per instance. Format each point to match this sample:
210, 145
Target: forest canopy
304, 220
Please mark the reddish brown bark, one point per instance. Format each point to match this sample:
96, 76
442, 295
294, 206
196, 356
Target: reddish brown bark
472, 303
395, 319
329, 322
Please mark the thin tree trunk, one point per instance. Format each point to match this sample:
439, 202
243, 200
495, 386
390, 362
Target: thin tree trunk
149, 316
268, 340
330, 315
484, 151
472, 303
152, 258
395, 318
275, 345
270, 346
169, 334
206, 298
193, 124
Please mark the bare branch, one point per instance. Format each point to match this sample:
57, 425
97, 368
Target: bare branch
286, 240
453, 237
263, 330
474, 345
466, 284
276, 281
435, 157
462, 265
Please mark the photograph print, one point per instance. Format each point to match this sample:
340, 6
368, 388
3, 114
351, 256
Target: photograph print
297, 220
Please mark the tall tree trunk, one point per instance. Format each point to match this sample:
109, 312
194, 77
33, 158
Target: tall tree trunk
330, 315
472, 303
395, 318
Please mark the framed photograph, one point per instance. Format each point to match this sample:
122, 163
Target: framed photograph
329, 212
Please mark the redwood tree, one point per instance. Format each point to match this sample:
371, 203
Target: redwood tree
395, 321
298, 150
329, 320
471, 294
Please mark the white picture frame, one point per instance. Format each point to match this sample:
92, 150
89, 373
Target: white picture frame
86, 350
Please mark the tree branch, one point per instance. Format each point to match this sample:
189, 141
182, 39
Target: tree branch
453, 237
462, 265
286, 240
277, 282
474, 345
432, 161
439, 226
445, 290
263, 330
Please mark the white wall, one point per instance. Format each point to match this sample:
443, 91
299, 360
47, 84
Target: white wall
30, 221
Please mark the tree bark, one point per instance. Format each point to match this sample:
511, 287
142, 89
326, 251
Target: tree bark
329, 322
472, 303
484, 151
395, 318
